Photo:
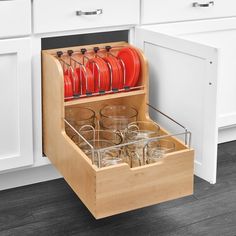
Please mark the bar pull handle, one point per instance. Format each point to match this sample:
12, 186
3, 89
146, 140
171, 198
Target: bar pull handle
89, 13
209, 4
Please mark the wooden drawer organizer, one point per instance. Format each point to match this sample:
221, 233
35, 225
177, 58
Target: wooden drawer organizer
115, 189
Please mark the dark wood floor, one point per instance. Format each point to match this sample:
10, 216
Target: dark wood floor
51, 208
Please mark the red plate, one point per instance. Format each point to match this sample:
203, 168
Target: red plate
101, 67
132, 65
74, 80
112, 61
67, 87
105, 74
138, 66
120, 72
85, 74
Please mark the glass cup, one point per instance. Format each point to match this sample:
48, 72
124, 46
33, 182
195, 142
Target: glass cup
135, 153
92, 134
119, 112
139, 131
111, 156
103, 153
79, 118
114, 124
157, 149
142, 130
117, 117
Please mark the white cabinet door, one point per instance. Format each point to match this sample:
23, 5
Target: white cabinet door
183, 84
16, 148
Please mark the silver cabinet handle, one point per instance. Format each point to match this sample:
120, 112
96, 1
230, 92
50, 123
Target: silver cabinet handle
209, 4
89, 13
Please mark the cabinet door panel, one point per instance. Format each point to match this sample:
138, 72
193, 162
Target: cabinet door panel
223, 39
183, 83
219, 34
9, 127
15, 104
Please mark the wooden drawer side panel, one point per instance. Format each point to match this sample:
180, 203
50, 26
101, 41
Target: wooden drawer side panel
123, 189
63, 153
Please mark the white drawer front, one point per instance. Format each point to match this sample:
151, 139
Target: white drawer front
156, 11
60, 15
15, 18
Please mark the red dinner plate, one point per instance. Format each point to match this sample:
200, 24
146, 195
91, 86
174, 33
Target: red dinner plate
114, 71
132, 65
85, 74
120, 72
74, 80
65, 86
98, 66
105, 78
68, 87
138, 67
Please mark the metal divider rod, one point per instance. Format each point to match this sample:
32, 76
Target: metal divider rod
82, 137
186, 130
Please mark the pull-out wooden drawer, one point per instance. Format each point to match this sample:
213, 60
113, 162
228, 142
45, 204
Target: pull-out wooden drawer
114, 189
15, 18
157, 11
54, 15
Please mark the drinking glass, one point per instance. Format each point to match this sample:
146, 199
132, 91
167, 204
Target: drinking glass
79, 118
139, 131
157, 149
103, 153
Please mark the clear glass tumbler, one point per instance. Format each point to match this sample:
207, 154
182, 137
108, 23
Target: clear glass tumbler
102, 153
158, 149
117, 117
139, 131
80, 118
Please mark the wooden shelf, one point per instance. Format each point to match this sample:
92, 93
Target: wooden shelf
103, 97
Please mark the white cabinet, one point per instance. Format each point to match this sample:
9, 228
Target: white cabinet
15, 18
159, 11
54, 15
16, 148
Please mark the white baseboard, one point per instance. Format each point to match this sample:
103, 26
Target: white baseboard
28, 176
227, 134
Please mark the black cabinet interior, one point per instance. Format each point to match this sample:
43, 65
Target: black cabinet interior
84, 39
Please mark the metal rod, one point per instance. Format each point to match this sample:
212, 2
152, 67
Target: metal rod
81, 136
170, 119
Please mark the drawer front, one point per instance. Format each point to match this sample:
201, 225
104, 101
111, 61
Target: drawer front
156, 11
61, 15
15, 18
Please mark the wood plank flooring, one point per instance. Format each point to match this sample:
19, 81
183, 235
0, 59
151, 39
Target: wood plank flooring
51, 208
